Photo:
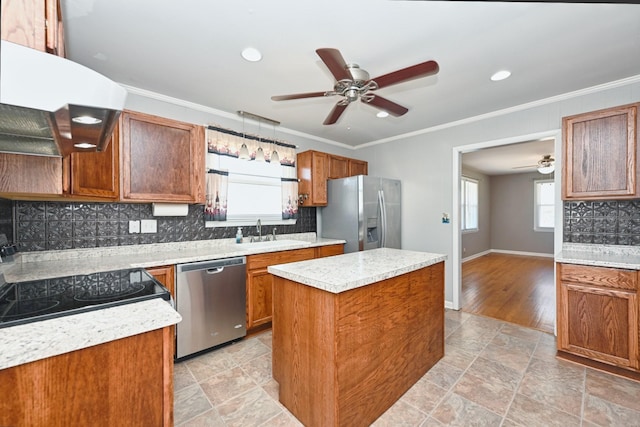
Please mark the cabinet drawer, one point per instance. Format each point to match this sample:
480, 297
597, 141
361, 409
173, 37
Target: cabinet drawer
283, 257
329, 250
599, 276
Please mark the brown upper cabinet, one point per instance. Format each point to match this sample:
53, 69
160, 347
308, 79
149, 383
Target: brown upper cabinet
162, 159
313, 172
358, 167
33, 23
149, 159
600, 154
95, 174
315, 167
338, 167
30, 177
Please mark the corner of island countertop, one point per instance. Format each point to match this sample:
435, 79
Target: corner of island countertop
340, 273
34, 341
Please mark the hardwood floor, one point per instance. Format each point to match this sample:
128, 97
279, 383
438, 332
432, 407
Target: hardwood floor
514, 288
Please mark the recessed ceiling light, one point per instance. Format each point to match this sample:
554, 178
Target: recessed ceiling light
251, 54
382, 114
501, 75
84, 145
86, 120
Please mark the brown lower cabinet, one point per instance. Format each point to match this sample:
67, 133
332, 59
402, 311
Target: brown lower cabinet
127, 382
260, 281
598, 314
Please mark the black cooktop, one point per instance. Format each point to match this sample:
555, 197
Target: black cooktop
26, 302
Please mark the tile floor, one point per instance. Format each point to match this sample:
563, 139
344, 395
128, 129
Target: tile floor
493, 374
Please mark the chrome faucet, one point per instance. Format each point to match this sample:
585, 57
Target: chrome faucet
274, 234
259, 230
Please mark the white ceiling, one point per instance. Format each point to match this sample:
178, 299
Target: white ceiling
522, 157
190, 50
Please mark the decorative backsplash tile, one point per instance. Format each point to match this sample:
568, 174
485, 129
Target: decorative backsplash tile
610, 222
59, 225
6, 218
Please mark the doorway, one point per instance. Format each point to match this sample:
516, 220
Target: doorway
456, 224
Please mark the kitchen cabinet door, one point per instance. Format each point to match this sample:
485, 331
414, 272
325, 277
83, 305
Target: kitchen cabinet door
358, 167
33, 23
96, 174
23, 176
329, 250
313, 172
259, 297
162, 159
338, 167
600, 156
598, 314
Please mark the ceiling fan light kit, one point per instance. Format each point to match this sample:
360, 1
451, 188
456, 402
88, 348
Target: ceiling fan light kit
353, 83
546, 165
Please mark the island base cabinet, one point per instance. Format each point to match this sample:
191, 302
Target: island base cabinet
127, 382
344, 359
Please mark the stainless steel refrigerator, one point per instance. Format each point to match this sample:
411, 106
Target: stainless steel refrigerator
364, 211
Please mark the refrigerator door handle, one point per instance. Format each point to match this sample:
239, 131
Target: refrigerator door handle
383, 218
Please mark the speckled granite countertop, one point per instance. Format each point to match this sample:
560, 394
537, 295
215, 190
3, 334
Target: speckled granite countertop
600, 255
47, 264
38, 340
349, 271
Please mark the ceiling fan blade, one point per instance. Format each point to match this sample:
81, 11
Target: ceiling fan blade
386, 105
298, 96
415, 71
334, 61
335, 114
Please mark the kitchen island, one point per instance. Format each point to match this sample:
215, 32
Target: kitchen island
352, 333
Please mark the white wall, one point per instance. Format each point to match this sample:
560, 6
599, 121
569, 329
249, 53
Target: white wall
424, 163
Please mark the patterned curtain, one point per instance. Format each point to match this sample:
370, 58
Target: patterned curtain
216, 203
224, 142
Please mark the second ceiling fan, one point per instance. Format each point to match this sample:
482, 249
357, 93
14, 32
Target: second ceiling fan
353, 83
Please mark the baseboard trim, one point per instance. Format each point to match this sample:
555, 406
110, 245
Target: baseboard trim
449, 305
503, 251
474, 256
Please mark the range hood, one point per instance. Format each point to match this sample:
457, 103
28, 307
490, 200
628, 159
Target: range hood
51, 106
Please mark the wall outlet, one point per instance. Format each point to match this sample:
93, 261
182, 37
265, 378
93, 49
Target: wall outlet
149, 226
134, 227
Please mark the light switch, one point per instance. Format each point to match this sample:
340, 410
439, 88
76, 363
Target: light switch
134, 227
149, 226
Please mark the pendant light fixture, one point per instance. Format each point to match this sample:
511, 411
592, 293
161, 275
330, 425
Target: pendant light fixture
275, 158
259, 152
243, 154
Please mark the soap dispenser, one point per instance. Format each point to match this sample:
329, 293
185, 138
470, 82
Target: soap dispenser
239, 235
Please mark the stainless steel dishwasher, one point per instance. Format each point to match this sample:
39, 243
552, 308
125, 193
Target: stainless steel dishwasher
211, 298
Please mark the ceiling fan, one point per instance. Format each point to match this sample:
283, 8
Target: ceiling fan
353, 83
544, 165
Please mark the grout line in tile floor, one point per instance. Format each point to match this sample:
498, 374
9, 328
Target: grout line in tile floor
232, 386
